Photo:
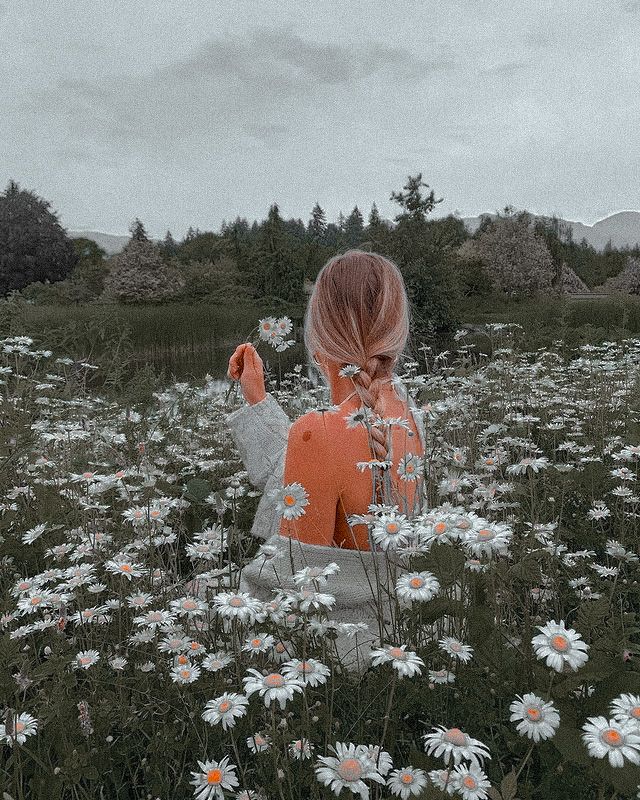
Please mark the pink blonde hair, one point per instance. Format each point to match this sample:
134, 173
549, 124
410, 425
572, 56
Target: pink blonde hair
358, 313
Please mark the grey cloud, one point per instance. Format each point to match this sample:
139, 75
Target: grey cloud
236, 85
506, 69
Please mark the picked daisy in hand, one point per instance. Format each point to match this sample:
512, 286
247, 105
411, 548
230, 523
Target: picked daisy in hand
536, 718
214, 777
560, 646
406, 782
225, 709
349, 769
273, 686
406, 662
615, 740
291, 500
456, 649
421, 586
452, 743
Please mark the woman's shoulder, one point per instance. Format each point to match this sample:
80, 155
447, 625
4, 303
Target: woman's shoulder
311, 425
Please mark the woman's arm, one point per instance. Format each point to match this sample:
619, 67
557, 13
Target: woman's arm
260, 431
308, 462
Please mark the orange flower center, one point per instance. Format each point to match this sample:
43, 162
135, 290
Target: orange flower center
35, 601
189, 605
397, 652
289, 500
406, 778
279, 648
534, 714
85, 660
635, 712
214, 776
183, 660
185, 673
236, 602
416, 583
256, 642
274, 681
485, 533
409, 468
440, 527
126, 567
392, 527
469, 782
195, 645
455, 736
224, 706
612, 737
350, 769
20, 727
560, 643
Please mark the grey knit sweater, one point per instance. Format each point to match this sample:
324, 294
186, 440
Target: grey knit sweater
260, 432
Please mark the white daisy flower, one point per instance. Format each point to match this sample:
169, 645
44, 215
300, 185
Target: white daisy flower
213, 779
470, 782
360, 417
86, 658
225, 709
301, 749
490, 539
259, 743
452, 743
266, 328
189, 606
307, 599
214, 662
125, 567
626, 708
273, 686
140, 600
349, 370
441, 676
259, 643
422, 586
392, 530
406, 662
536, 718
118, 663
185, 673
615, 740
25, 725
240, 605
443, 779
310, 671
456, 649
291, 500
410, 467
380, 758
177, 643
317, 575
560, 646
406, 782
349, 769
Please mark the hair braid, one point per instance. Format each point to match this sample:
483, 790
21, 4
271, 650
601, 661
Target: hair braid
368, 383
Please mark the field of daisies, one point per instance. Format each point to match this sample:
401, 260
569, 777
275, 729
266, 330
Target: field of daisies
133, 666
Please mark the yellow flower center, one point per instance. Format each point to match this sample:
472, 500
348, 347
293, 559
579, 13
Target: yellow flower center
456, 737
416, 583
612, 737
274, 681
350, 769
214, 776
560, 643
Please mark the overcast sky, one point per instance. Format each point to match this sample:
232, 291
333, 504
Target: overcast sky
188, 112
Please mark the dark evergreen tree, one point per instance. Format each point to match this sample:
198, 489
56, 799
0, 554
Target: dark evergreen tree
354, 227
33, 244
169, 245
138, 232
317, 225
415, 206
274, 268
374, 217
341, 222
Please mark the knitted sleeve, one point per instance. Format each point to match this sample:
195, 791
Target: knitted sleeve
309, 462
260, 432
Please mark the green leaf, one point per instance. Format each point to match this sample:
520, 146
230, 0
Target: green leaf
197, 489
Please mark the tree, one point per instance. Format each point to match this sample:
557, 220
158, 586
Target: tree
517, 259
354, 227
374, 217
627, 281
139, 274
317, 225
415, 206
568, 282
275, 271
33, 244
169, 245
138, 232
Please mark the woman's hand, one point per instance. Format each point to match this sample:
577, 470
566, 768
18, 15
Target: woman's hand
245, 365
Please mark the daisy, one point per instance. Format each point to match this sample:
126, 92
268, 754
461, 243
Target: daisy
491, 538
125, 567
443, 779
25, 725
417, 586
152, 619
453, 743
225, 709
291, 500
309, 599
185, 673
348, 769
617, 740
217, 661
140, 600
301, 749
456, 649
214, 777
626, 708
392, 530
361, 417
259, 742
259, 643
470, 782
536, 719
441, 676
406, 782
410, 467
406, 662
273, 686
380, 758
86, 659
189, 606
317, 575
560, 646
118, 663
174, 644
239, 605
349, 370
310, 671
266, 328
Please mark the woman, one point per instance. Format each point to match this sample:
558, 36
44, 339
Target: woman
344, 458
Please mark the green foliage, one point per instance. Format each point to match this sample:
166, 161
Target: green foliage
139, 274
